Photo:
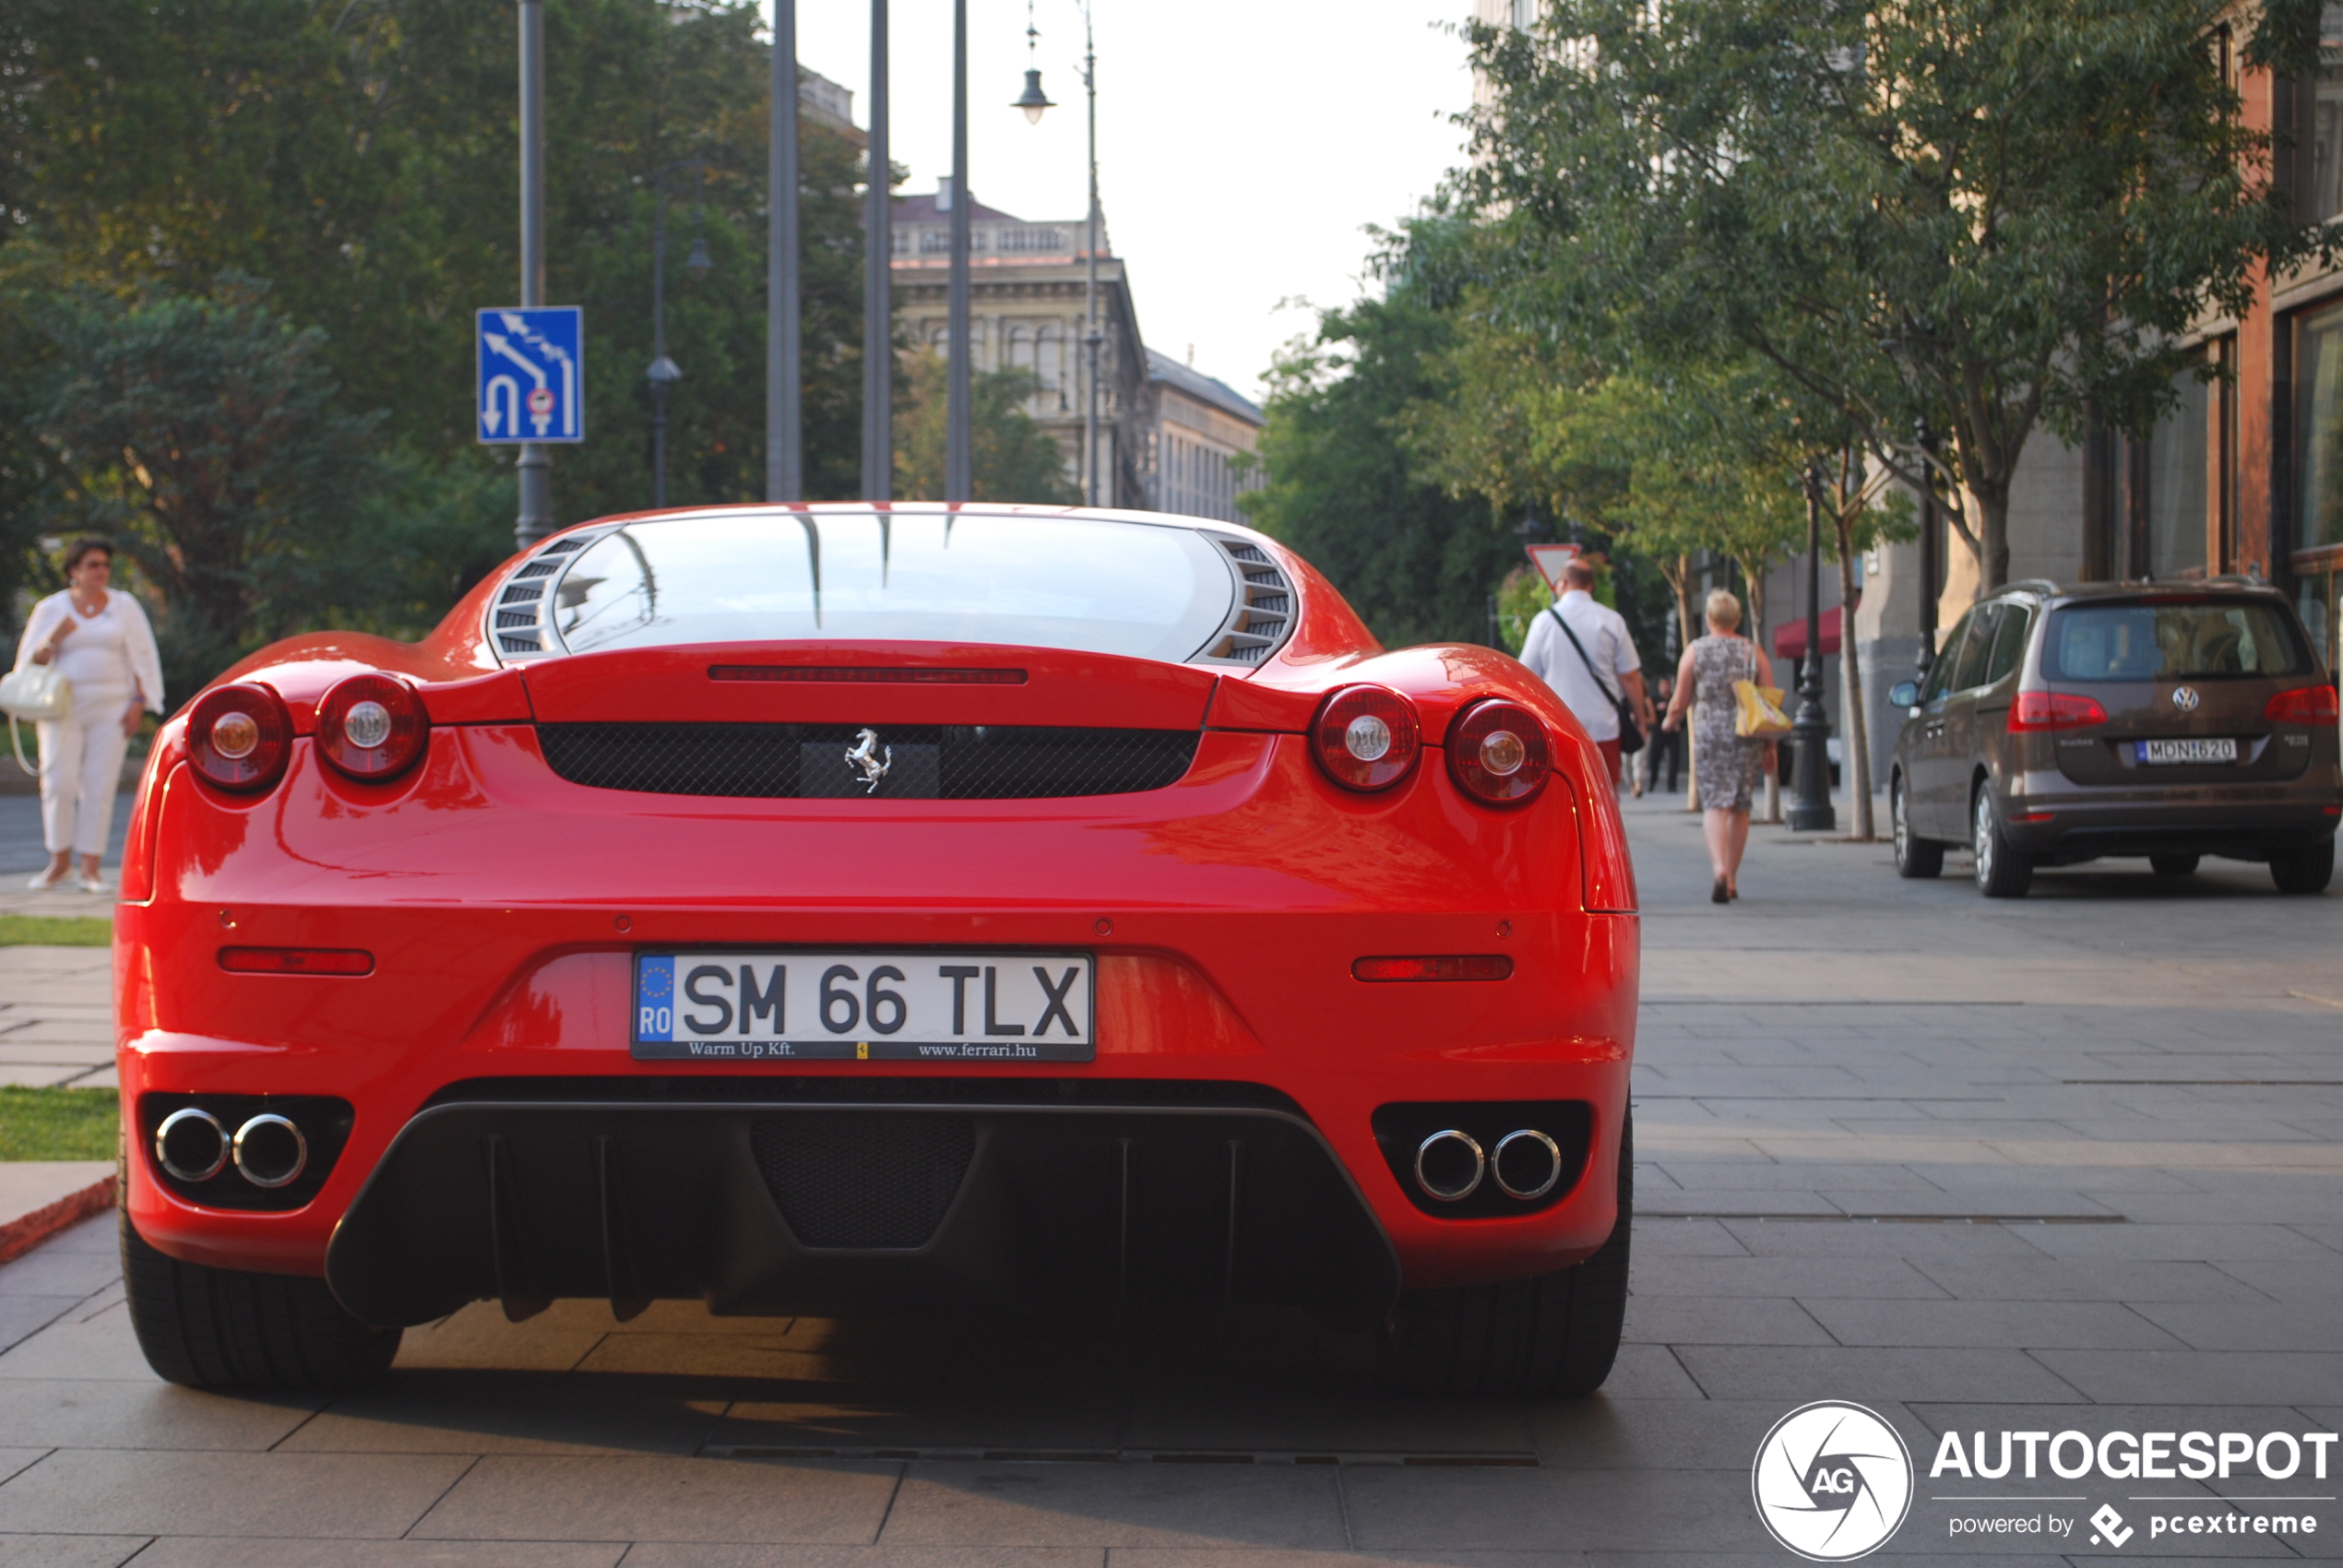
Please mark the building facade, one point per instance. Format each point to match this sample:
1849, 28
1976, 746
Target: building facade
1026, 298
1200, 435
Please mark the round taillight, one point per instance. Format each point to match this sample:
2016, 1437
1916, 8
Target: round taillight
1498, 752
372, 727
1367, 736
238, 737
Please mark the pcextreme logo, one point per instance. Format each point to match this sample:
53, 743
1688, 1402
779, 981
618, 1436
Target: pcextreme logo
1832, 1481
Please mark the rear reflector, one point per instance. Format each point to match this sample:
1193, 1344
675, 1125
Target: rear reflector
2303, 705
296, 961
2034, 817
869, 676
1446, 966
2054, 710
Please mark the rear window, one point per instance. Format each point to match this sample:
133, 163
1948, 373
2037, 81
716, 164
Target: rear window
1077, 583
2171, 640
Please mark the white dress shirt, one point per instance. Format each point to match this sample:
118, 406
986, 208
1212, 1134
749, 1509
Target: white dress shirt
1604, 634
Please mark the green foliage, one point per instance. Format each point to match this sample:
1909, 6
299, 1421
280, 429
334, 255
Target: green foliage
1012, 458
54, 931
1521, 599
361, 160
207, 437
1986, 215
58, 1123
1416, 562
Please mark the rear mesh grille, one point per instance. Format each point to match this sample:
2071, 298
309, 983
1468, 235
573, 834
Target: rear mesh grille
948, 761
847, 1181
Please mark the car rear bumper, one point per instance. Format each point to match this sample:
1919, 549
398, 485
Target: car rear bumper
833, 1206
2082, 825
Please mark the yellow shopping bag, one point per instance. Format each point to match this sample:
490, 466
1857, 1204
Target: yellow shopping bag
1757, 710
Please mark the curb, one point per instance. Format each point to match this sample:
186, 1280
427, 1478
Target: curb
27, 1231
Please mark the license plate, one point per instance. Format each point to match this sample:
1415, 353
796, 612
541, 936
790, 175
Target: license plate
2221, 750
718, 1006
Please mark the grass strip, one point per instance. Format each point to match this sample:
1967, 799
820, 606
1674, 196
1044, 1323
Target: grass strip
58, 1123
54, 931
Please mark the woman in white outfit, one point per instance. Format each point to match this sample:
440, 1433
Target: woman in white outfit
106, 650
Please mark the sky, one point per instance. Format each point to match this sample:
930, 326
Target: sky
1244, 144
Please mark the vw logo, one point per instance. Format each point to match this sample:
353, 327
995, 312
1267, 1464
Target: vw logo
2185, 698
1832, 1481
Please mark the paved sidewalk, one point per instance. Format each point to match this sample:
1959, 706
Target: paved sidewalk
2068, 1163
56, 1015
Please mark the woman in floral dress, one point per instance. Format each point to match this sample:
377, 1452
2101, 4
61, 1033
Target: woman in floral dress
1725, 765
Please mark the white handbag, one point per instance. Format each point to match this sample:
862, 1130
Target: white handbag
36, 692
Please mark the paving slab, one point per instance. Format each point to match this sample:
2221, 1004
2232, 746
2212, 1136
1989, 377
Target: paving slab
122, 1491
517, 1497
1121, 1505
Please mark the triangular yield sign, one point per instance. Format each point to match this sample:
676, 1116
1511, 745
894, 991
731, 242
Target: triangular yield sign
1550, 559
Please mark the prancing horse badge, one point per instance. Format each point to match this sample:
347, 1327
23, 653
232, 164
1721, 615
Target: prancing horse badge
866, 760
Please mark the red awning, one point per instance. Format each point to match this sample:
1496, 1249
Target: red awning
1789, 639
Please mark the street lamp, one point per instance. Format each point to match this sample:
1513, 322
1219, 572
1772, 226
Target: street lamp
663, 372
1811, 810
1034, 101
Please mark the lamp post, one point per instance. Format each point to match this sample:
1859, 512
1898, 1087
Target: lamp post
784, 387
663, 372
536, 462
1033, 102
879, 283
959, 464
1811, 810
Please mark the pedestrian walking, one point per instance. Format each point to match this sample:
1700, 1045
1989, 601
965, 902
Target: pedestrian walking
1726, 764
1663, 758
1580, 647
101, 642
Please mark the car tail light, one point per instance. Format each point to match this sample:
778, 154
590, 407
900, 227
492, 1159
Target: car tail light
1367, 736
372, 727
1498, 752
2054, 710
2303, 705
1444, 967
296, 961
239, 737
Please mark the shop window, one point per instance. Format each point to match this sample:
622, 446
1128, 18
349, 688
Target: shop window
2177, 478
2316, 600
2318, 428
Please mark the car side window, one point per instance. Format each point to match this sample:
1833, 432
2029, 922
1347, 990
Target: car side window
1978, 649
2009, 643
1941, 673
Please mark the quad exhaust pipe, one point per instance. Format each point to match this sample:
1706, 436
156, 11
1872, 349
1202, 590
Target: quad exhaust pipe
269, 1150
1450, 1165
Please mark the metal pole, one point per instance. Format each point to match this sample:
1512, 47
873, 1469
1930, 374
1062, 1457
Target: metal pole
784, 383
659, 380
1090, 249
878, 304
1811, 811
958, 465
535, 462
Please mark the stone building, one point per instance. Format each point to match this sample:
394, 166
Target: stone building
1026, 296
1196, 428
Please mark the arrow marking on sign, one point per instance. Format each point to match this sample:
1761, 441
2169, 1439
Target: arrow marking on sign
495, 417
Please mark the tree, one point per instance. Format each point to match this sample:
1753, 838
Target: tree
1416, 561
1978, 217
1013, 458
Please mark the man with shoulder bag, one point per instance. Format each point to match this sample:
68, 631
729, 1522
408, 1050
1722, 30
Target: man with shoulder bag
1580, 647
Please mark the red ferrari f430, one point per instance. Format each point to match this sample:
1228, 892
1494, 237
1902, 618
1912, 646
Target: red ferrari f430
846, 908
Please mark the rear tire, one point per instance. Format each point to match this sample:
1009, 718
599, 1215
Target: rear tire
1556, 1334
2307, 869
223, 1328
2003, 871
1915, 857
2173, 865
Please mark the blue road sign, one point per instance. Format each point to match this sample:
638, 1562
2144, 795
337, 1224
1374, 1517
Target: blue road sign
532, 375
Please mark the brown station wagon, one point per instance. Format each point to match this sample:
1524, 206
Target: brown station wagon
2168, 721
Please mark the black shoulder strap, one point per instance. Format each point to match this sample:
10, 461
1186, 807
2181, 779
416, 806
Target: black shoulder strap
1555, 610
